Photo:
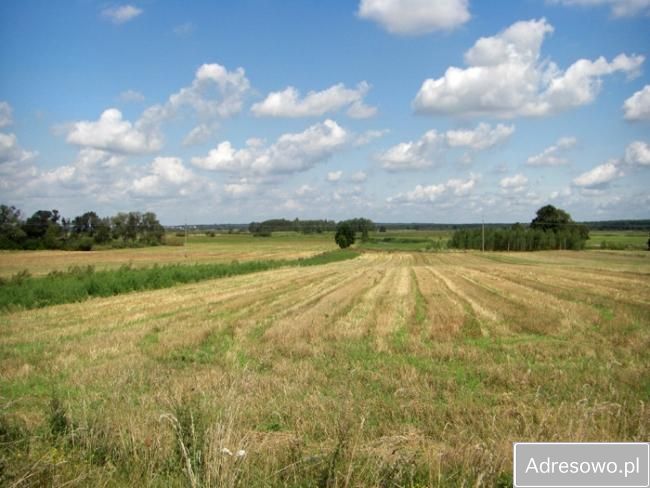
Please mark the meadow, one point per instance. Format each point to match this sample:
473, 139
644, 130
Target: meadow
630, 239
398, 368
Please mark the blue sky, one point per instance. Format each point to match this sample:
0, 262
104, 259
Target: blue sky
397, 110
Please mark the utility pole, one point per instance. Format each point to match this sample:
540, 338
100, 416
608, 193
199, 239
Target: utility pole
482, 234
185, 241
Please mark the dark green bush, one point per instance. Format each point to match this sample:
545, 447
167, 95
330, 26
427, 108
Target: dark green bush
344, 236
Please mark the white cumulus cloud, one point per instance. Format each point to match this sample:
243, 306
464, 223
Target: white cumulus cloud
638, 153
291, 153
507, 77
413, 155
94, 173
289, 103
200, 134
164, 172
10, 151
461, 187
370, 135
637, 107
305, 190
121, 14
553, 155
514, 183
600, 175
240, 189
431, 147
171, 170
412, 17
482, 137
359, 110
432, 193
214, 93
112, 133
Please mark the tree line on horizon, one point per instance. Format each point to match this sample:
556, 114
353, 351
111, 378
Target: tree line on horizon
47, 229
552, 228
267, 227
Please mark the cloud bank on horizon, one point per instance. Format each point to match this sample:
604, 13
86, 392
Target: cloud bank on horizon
437, 111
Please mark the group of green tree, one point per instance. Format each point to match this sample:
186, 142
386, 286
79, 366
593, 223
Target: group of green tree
264, 229
346, 231
46, 229
552, 228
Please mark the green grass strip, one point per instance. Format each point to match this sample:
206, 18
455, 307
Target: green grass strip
80, 283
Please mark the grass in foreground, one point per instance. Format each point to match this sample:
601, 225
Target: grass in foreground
80, 283
411, 369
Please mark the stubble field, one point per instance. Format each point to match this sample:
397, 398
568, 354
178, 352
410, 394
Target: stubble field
391, 369
200, 249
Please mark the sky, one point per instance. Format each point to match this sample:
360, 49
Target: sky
448, 111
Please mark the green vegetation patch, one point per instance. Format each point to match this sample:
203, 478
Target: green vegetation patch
394, 243
618, 240
80, 283
328, 257
211, 349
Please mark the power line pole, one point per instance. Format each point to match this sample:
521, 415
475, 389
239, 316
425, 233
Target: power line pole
185, 241
482, 234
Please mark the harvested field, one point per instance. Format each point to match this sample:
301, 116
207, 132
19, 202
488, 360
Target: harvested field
222, 248
391, 369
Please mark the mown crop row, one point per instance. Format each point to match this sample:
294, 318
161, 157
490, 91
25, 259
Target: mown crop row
392, 369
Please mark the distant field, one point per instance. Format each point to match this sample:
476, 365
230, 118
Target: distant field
391, 369
406, 240
224, 248
623, 239
199, 249
418, 240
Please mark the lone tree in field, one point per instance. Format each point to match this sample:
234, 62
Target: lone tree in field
344, 235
